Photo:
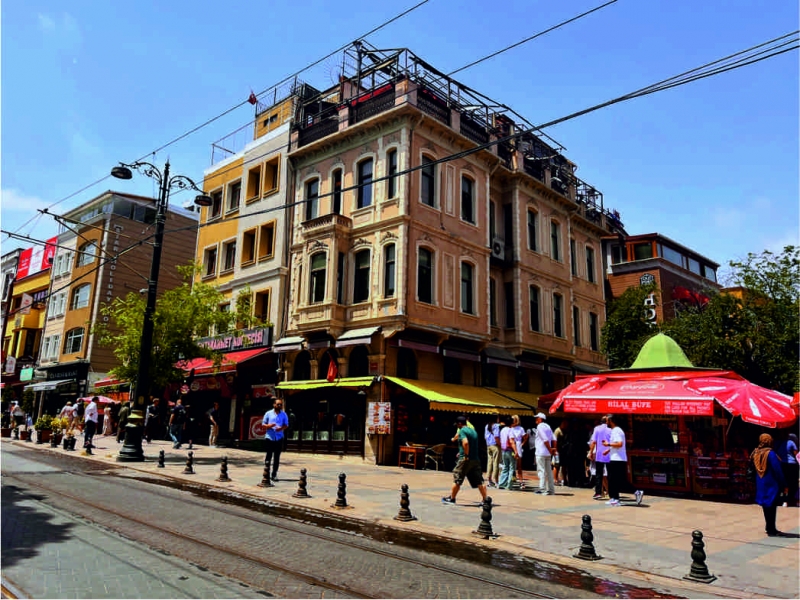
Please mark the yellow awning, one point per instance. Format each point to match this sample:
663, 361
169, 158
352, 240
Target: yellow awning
463, 398
310, 384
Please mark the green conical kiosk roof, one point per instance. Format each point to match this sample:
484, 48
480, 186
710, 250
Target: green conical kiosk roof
660, 352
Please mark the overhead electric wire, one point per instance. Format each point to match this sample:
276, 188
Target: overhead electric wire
233, 108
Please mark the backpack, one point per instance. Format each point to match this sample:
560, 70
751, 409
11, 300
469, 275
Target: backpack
180, 416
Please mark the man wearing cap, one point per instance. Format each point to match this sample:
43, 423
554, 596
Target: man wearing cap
468, 464
545, 447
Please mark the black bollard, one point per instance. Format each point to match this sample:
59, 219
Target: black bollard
485, 528
16, 433
404, 514
699, 570
53, 443
302, 492
65, 443
265, 481
39, 437
341, 493
223, 470
586, 551
161, 459
189, 470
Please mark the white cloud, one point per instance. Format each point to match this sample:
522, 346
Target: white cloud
12, 200
64, 29
46, 22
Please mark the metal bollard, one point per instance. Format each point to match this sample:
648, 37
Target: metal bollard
65, 443
161, 459
586, 551
223, 470
189, 470
699, 570
341, 493
265, 481
485, 528
53, 443
404, 514
301, 486
16, 433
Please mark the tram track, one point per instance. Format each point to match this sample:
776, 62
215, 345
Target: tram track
115, 518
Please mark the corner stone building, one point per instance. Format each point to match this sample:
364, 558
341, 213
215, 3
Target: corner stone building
471, 284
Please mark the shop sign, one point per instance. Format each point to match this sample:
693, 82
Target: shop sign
647, 279
650, 309
699, 408
36, 259
11, 365
263, 390
26, 374
73, 371
260, 337
379, 417
257, 430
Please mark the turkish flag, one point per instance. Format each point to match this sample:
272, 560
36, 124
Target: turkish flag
333, 371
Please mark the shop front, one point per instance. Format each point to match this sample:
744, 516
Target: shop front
687, 429
63, 382
239, 381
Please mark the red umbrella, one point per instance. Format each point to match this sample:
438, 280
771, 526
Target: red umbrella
752, 402
100, 399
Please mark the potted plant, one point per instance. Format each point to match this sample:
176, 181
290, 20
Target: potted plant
58, 426
44, 428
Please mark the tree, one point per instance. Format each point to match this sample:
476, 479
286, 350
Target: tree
626, 328
182, 314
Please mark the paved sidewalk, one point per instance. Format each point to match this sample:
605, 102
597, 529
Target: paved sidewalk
651, 542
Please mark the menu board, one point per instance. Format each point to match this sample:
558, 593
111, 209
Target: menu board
379, 417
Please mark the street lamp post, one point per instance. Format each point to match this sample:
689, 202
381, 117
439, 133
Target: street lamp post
132, 448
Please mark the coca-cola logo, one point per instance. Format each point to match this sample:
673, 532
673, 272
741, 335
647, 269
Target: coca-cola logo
257, 429
652, 386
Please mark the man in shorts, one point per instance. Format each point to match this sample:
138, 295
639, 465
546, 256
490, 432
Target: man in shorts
468, 464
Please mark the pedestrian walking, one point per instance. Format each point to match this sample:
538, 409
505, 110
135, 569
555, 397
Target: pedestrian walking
152, 421
520, 438
213, 419
492, 436
90, 418
786, 449
618, 461
177, 421
18, 414
124, 414
545, 448
601, 459
275, 421
508, 455
560, 455
468, 463
769, 482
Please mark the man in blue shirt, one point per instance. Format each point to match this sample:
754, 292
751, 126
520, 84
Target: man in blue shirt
275, 421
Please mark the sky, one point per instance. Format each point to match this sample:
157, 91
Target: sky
712, 165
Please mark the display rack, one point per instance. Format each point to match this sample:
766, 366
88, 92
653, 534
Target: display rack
660, 470
710, 475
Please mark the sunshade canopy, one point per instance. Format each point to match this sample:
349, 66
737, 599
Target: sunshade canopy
463, 398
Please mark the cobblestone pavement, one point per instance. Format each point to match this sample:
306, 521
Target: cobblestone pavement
650, 543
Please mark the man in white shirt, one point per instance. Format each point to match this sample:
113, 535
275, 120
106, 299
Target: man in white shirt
545, 446
90, 419
618, 460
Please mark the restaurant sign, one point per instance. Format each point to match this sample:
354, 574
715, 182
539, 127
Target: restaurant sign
698, 408
241, 339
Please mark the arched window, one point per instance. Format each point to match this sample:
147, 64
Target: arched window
406, 363
80, 296
301, 370
533, 225
361, 277
388, 270
358, 364
425, 276
86, 254
364, 183
428, 181
312, 199
73, 342
391, 172
555, 240
467, 288
558, 315
324, 363
317, 281
533, 299
452, 370
336, 184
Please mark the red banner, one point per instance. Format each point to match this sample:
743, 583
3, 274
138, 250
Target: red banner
38, 258
699, 408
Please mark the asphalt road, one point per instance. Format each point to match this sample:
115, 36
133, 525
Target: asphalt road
75, 529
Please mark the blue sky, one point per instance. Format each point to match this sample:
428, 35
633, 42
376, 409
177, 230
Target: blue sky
713, 164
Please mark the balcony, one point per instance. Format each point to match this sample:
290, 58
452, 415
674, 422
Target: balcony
330, 221
473, 130
372, 103
431, 104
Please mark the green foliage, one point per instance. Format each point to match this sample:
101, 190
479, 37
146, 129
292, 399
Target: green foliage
182, 314
26, 404
626, 330
43, 422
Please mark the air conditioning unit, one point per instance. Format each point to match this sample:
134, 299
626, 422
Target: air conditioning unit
498, 248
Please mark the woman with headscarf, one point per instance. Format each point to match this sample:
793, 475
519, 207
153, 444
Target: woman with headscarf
769, 481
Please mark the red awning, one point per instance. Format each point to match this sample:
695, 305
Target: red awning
108, 381
676, 393
205, 366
